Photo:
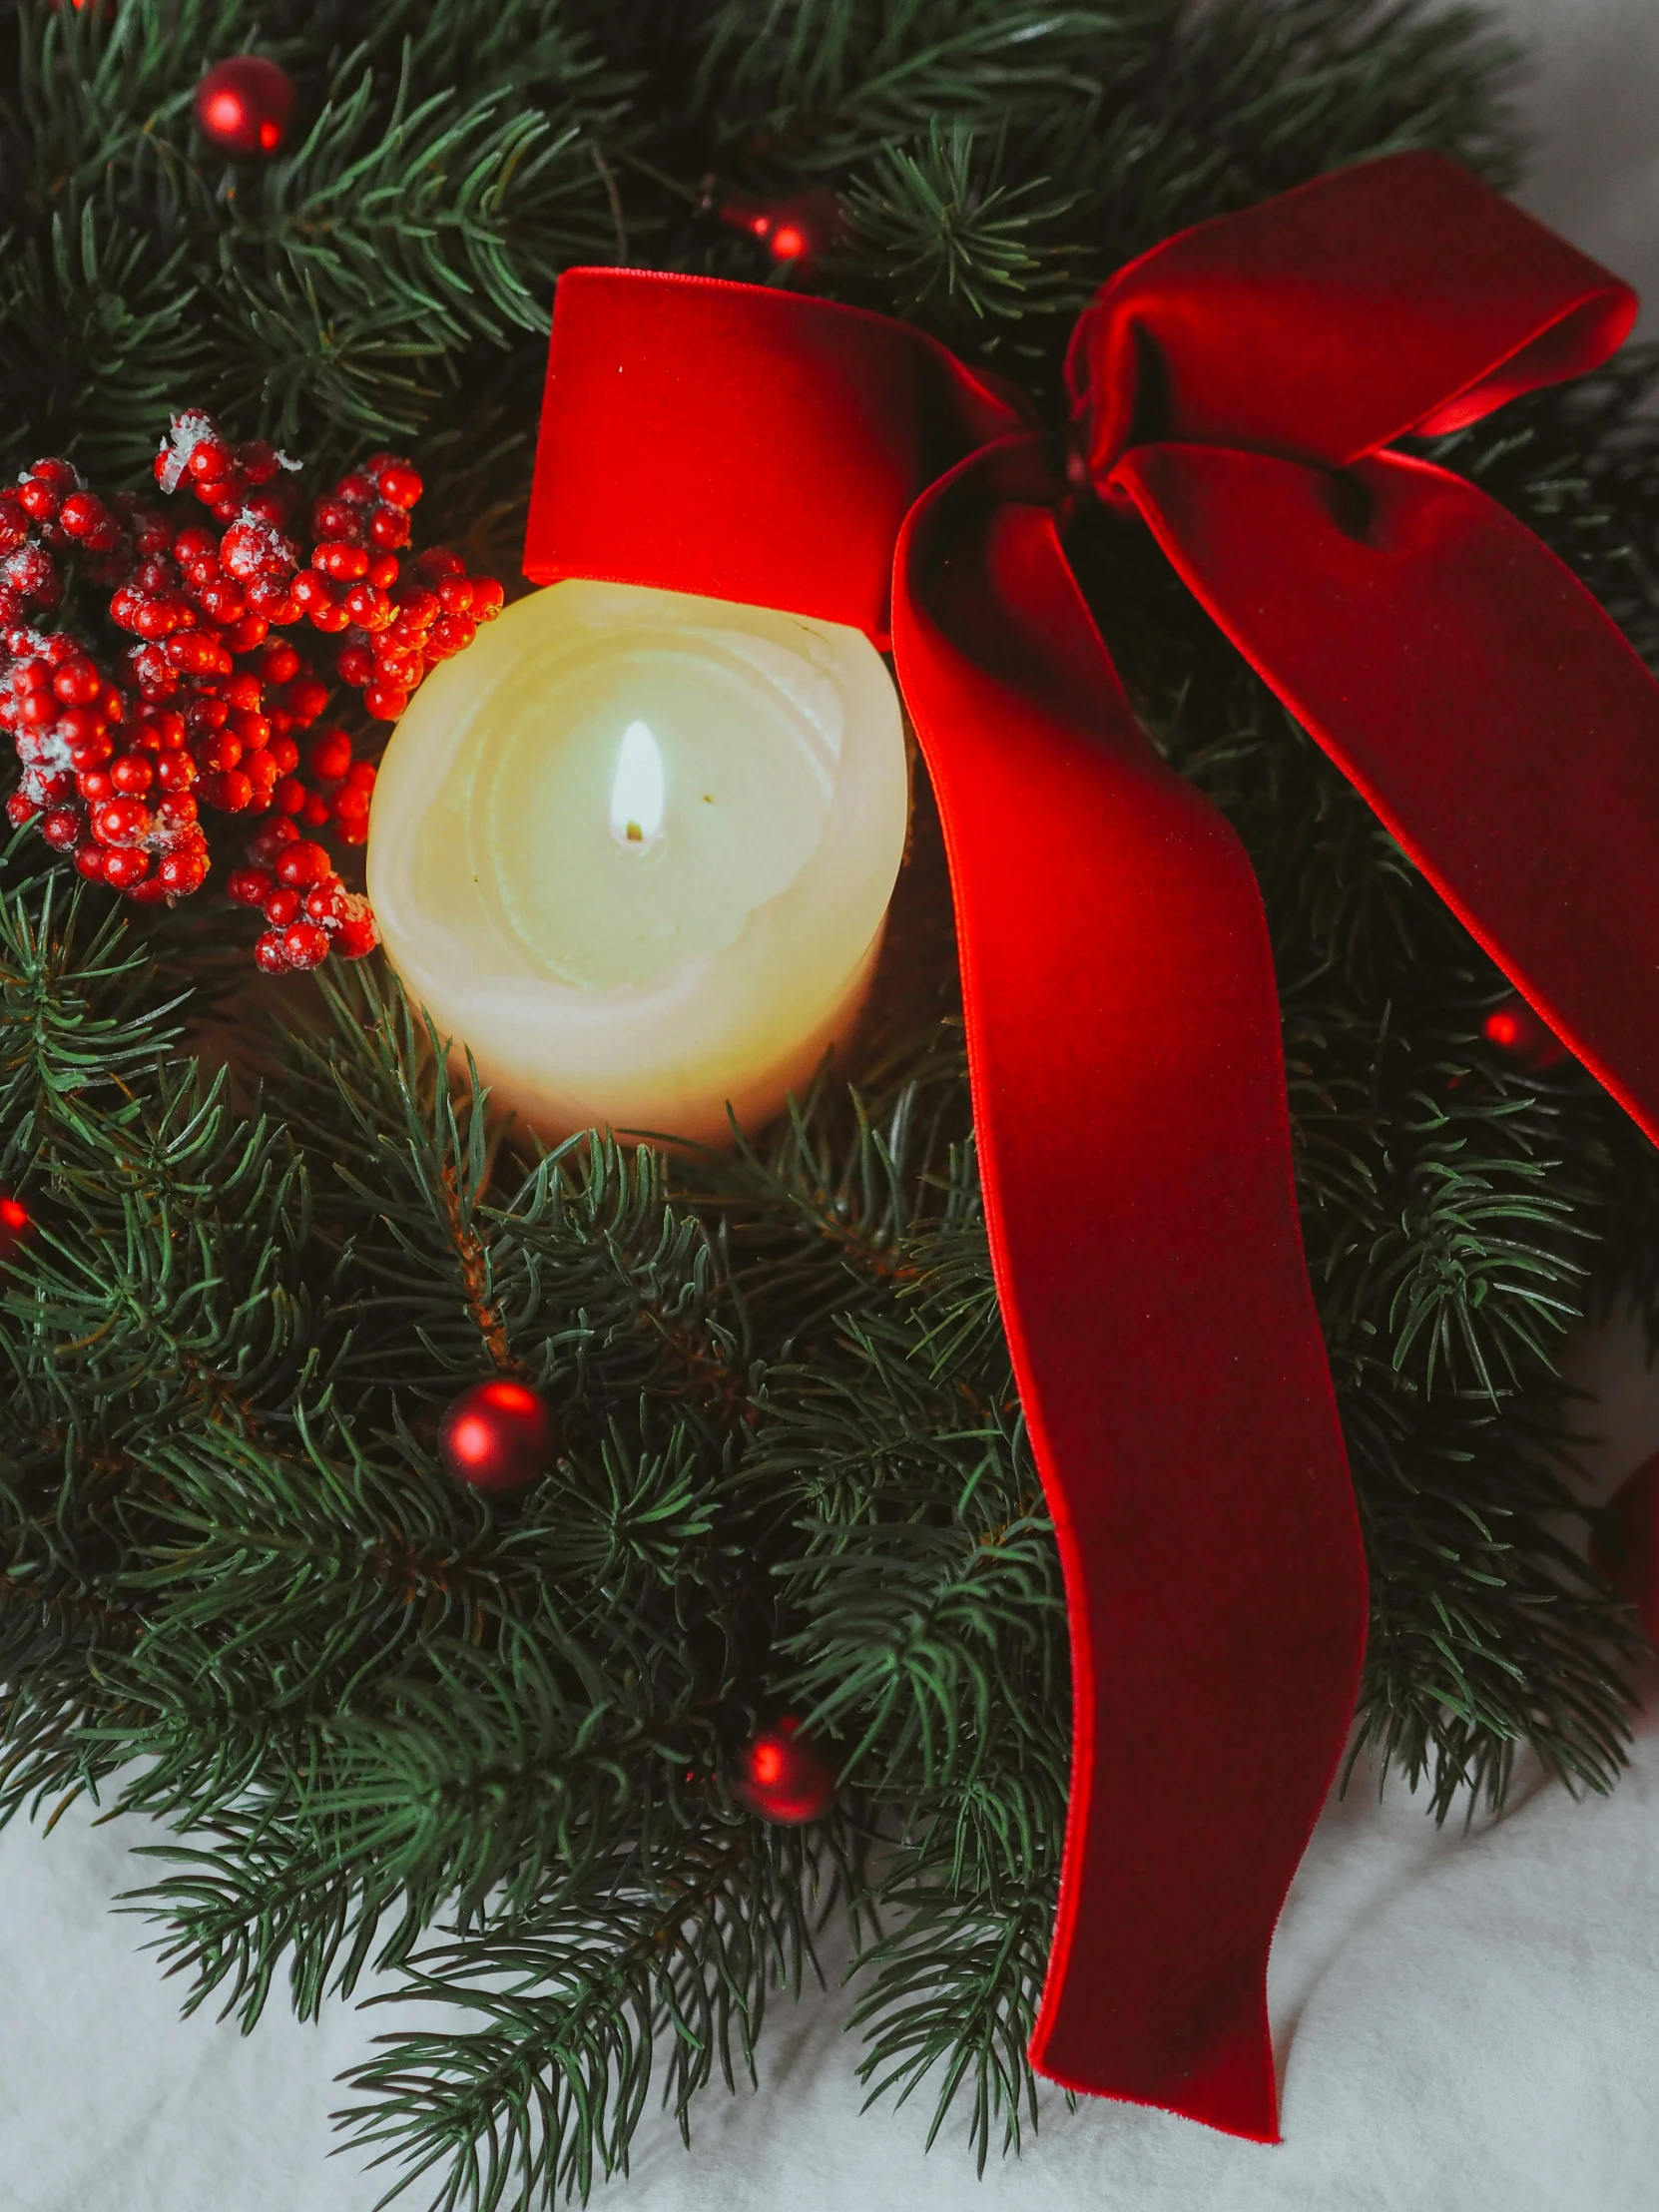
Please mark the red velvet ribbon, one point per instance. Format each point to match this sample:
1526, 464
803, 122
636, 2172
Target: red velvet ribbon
1238, 388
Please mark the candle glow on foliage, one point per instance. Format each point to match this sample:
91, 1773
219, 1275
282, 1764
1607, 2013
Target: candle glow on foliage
634, 850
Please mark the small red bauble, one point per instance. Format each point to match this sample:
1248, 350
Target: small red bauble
15, 1225
497, 1437
243, 108
799, 229
782, 1778
1523, 1037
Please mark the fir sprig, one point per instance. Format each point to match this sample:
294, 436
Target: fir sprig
946, 239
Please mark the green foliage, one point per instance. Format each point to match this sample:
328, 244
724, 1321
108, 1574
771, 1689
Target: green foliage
489, 1747
938, 238
442, 171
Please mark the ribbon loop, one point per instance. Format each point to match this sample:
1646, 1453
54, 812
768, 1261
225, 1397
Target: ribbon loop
1393, 296
1506, 732
742, 410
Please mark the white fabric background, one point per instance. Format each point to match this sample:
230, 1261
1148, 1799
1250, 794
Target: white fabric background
1463, 2020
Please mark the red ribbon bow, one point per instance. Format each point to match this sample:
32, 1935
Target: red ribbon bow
1238, 386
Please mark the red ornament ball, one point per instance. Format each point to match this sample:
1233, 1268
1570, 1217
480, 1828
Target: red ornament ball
1523, 1037
782, 1777
15, 1225
800, 228
497, 1437
244, 106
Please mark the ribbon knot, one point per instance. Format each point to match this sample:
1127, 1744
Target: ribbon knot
1239, 388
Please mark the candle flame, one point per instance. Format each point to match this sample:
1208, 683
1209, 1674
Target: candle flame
637, 794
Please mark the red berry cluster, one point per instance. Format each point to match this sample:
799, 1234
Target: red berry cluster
398, 624
208, 708
294, 884
91, 799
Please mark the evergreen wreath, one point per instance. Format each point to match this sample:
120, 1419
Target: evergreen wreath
493, 1745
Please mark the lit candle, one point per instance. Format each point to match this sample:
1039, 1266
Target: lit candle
634, 850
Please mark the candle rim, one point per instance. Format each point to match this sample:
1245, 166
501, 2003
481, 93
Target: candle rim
859, 661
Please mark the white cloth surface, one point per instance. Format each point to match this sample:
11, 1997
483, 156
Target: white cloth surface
1463, 2020
1593, 101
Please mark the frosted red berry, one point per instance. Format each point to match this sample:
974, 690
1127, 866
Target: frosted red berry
398, 486
304, 945
249, 887
329, 755
179, 874
356, 935
132, 774
126, 866
301, 863
119, 821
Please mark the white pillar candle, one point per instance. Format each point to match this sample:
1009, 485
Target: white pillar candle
635, 849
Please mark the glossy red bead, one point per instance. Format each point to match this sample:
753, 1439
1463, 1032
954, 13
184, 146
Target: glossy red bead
498, 1435
783, 1778
243, 108
15, 1227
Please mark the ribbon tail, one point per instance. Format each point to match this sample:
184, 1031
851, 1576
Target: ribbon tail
1129, 1098
1502, 727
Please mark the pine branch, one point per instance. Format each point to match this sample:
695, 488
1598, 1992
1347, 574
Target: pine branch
545, 2094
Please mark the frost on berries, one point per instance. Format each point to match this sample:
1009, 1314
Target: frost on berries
123, 745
